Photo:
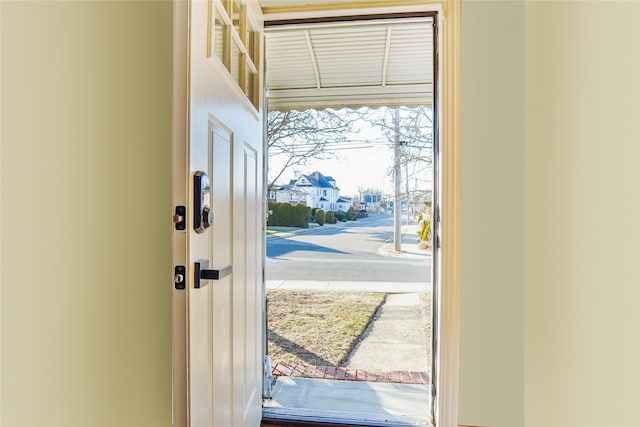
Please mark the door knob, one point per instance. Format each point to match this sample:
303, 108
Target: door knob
202, 272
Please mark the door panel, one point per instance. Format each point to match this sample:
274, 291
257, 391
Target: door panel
224, 361
250, 297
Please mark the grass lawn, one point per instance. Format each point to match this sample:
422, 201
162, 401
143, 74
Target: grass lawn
317, 328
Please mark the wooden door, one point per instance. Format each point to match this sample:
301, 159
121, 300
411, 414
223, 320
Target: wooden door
223, 125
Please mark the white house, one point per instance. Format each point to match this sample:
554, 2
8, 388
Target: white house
321, 190
343, 203
286, 194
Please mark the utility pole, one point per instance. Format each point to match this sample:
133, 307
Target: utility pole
397, 235
406, 185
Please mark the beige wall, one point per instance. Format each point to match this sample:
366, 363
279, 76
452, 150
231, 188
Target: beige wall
551, 214
550, 303
86, 146
492, 281
582, 214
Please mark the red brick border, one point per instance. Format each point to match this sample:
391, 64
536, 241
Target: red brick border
350, 374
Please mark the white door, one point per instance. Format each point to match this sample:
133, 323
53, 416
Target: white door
222, 370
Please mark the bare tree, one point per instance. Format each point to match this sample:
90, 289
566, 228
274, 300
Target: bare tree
414, 134
301, 136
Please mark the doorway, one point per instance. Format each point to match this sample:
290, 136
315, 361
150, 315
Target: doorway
338, 86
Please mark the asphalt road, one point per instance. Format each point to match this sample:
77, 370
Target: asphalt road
344, 253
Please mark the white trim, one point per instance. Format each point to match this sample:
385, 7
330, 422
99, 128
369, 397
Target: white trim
330, 10
348, 25
407, 95
447, 381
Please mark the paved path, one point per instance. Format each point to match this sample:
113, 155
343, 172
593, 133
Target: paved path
396, 339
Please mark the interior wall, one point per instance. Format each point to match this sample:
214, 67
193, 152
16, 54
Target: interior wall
86, 205
492, 280
582, 213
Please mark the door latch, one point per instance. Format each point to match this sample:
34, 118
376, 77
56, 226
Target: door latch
179, 218
179, 277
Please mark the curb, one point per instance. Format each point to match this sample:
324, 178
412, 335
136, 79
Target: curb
286, 234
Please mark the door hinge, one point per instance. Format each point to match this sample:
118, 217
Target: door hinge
179, 277
179, 218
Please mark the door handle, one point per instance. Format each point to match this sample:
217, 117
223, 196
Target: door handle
202, 272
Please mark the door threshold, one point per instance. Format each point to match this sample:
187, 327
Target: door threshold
310, 401
312, 417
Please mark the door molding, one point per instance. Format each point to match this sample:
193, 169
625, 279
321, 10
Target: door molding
447, 356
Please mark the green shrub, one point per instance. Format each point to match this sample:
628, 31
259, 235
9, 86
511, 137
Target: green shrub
341, 216
285, 215
320, 217
301, 216
351, 214
331, 217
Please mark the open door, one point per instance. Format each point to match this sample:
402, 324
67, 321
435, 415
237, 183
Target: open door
218, 178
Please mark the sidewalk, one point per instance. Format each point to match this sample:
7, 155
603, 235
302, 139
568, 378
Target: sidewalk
408, 245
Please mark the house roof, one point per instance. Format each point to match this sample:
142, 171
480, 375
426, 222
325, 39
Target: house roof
341, 200
288, 188
322, 199
317, 179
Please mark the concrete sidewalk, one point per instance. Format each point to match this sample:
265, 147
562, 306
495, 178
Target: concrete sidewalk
396, 339
349, 286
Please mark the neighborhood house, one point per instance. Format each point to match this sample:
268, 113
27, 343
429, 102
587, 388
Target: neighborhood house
314, 190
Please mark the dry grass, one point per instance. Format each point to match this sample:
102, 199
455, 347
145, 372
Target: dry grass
317, 328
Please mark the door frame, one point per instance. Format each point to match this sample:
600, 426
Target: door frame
445, 370
446, 357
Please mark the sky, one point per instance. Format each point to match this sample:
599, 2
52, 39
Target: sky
356, 169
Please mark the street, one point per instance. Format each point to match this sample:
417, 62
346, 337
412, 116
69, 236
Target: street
348, 252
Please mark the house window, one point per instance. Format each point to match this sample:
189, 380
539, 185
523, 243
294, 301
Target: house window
272, 194
324, 192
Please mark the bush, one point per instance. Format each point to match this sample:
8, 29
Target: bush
424, 225
320, 217
283, 214
341, 216
331, 218
424, 230
301, 216
351, 214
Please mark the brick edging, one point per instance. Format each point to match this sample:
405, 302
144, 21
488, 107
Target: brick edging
350, 374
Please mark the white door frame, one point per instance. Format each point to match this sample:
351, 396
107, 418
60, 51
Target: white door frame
446, 354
